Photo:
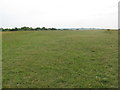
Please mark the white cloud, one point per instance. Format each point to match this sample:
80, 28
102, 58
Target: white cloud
59, 13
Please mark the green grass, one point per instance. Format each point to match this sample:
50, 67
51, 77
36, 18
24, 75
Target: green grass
60, 59
0, 60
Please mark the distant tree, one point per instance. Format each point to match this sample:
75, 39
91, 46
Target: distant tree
25, 28
6, 29
15, 29
28, 29
52, 29
43, 28
38, 28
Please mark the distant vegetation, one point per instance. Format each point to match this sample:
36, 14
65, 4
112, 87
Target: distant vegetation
44, 28
27, 29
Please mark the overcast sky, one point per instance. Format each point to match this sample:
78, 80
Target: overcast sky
59, 13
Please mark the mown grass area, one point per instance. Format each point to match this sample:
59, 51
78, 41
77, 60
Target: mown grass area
60, 59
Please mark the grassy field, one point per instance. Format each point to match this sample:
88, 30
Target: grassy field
0, 60
60, 59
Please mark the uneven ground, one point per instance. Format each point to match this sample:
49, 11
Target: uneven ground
62, 59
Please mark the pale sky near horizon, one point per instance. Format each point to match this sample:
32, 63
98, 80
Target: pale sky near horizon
59, 13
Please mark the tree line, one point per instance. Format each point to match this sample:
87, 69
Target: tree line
28, 29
